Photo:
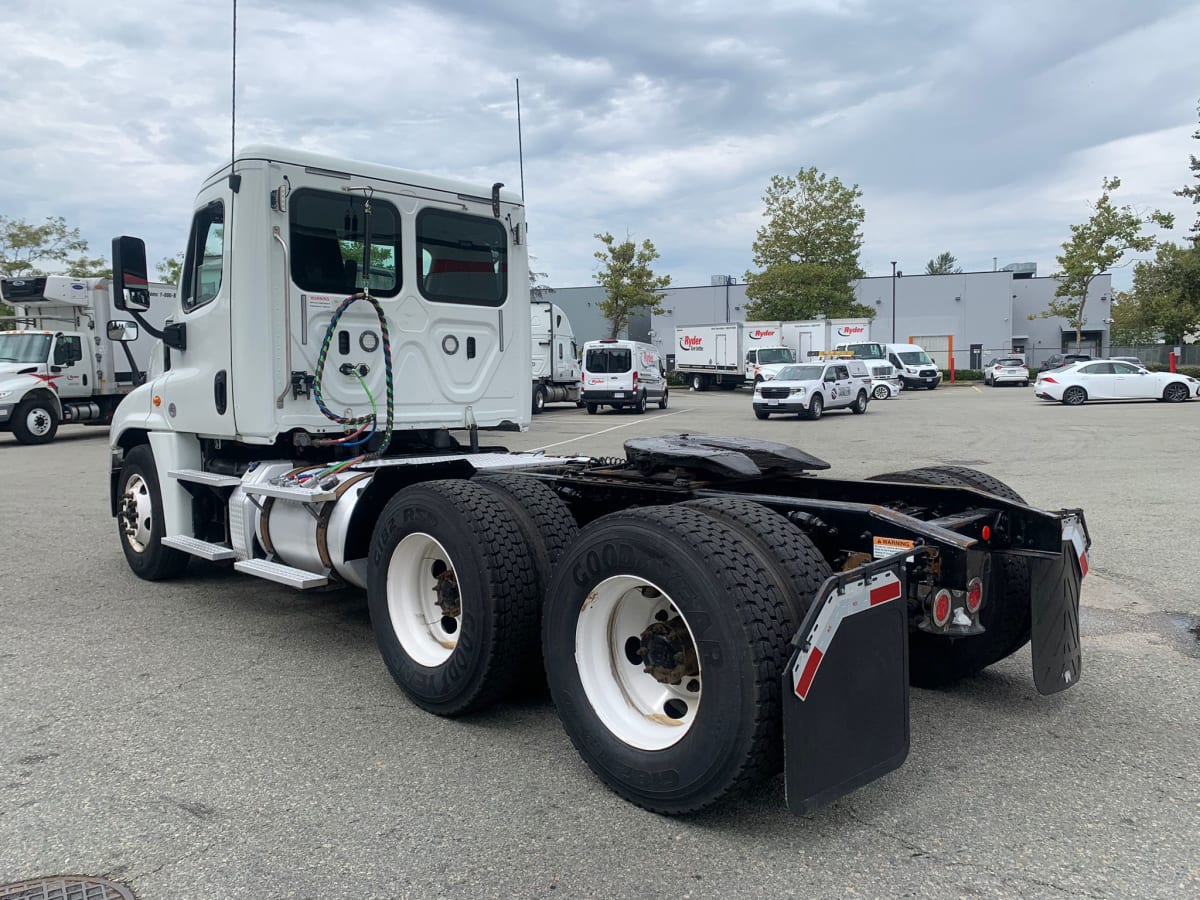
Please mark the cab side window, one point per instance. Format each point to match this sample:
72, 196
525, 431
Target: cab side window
328, 235
204, 262
68, 350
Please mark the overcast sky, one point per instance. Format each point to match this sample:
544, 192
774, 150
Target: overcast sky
978, 128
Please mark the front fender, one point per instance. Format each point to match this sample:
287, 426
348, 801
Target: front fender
24, 387
136, 414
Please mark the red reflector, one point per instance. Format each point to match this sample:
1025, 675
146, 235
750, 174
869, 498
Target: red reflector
941, 608
986, 534
810, 671
974, 594
885, 593
1083, 565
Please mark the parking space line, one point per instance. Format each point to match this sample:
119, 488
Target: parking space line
638, 421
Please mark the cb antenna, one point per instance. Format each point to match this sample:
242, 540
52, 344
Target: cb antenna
235, 181
520, 146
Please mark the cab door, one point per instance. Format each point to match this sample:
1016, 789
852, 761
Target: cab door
72, 373
196, 391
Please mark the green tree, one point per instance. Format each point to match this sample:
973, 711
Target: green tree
808, 250
943, 264
1094, 248
170, 268
1131, 321
1192, 191
1167, 290
629, 282
27, 249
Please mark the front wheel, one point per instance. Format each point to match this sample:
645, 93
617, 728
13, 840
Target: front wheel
35, 422
1176, 392
882, 393
1074, 396
539, 399
860, 403
815, 407
140, 519
762, 414
665, 642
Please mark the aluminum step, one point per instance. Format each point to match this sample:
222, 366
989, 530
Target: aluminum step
197, 547
286, 492
212, 479
281, 574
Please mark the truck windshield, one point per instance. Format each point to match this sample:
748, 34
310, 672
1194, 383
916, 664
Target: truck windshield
605, 360
24, 348
801, 373
776, 355
866, 351
920, 358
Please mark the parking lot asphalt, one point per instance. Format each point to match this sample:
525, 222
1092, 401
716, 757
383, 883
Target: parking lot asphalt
220, 736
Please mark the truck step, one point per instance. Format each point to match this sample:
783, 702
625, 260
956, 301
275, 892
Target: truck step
197, 547
281, 574
286, 492
212, 479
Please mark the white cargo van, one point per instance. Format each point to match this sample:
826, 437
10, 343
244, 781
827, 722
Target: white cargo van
913, 365
622, 373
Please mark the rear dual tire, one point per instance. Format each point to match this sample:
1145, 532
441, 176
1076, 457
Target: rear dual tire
706, 594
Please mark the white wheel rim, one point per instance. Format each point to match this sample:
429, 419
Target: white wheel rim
427, 632
881, 393
634, 706
38, 421
137, 513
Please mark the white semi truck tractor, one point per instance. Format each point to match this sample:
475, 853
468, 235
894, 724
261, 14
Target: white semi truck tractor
707, 611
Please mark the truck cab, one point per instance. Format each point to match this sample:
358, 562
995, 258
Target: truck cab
39, 370
764, 363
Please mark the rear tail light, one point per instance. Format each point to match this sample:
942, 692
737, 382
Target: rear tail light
1049, 379
974, 595
635, 378
941, 608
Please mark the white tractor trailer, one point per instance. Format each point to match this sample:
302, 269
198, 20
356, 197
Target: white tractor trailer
707, 611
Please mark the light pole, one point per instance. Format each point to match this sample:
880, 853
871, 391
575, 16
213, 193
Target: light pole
893, 301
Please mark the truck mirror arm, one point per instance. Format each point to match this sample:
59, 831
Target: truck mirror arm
174, 335
137, 375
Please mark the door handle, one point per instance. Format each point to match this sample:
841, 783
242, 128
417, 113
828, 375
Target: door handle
220, 392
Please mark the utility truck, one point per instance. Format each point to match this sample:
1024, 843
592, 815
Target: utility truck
707, 611
555, 356
53, 365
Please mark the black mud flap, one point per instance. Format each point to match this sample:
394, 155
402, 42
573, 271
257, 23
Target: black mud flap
1054, 593
845, 689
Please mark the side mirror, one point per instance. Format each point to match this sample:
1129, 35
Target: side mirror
131, 278
122, 331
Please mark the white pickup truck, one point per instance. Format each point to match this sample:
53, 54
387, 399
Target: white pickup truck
811, 388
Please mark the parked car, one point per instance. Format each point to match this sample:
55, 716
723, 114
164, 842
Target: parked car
1058, 360
1105, 379
1129, 359
812, 388
885, 382
1006, 370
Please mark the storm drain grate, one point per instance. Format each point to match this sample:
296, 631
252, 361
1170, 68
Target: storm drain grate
65, 887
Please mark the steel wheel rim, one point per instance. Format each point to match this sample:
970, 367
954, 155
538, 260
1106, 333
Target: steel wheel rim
38, 421
637, 708
137, 513
428, 632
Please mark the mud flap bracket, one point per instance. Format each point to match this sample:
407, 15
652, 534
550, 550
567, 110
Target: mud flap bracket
845, 689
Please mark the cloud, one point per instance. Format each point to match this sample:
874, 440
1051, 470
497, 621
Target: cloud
979, 129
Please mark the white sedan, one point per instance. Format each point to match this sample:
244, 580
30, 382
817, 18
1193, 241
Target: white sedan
1105, 379
1006, 369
